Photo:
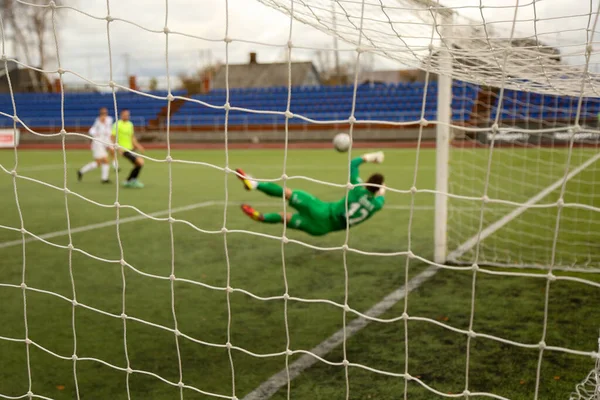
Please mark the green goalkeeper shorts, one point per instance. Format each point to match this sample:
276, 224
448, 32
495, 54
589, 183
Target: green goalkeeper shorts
313, 216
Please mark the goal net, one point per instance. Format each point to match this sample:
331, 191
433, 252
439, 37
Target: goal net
524, 120
513, 115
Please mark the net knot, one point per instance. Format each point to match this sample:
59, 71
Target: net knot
29, 394
560, 203
423, 122
284, 177
285, 239
229, 289
289, 352
410, 254
286, 296
466, 392
345, 247
405, 316
70, 246
551, 277
170, 97
349, 186
168, 159
28, 341
180, 384
123, 316
74, 357
227, 39
345, 363
542, 345
224, 230
52, 4
475, 267
75, 303
112, 84
63, 132
413, 190
171, 220
227, 106
166, 30
289, 114
129, 370
23, 285
485, 199
60, 71
472, 334
13, 172
347, 308
289, 44
408, 377
117, 204
109, 18
352, 119
228, 345
172, 277
122, 262
177, 332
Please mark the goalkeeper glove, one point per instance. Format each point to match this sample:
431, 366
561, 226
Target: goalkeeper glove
376, 157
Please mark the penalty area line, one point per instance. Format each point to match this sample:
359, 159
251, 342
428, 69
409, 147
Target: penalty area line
105, 224
280, 379
113, 222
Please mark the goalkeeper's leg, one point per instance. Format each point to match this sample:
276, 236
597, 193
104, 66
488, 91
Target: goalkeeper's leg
267, 218
268, 188
294, 221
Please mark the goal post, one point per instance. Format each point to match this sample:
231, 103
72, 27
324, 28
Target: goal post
443, 132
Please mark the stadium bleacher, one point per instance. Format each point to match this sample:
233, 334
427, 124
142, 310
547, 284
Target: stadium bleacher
400, 102
397, 102
43, 110
518, 106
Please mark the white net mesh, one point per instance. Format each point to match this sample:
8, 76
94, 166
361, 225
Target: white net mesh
511, 185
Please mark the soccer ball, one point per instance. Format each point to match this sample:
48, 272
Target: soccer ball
341, 142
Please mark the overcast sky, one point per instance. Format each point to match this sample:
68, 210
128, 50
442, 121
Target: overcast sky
83, 41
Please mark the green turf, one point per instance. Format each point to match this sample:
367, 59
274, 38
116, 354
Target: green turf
508, 307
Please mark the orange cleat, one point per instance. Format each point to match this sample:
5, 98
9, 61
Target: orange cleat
249, 183
251, 212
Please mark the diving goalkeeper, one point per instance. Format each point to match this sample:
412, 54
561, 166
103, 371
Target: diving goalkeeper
317, 217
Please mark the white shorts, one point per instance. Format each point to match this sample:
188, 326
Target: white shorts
99, 150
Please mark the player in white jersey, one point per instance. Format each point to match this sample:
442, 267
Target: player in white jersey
101, 131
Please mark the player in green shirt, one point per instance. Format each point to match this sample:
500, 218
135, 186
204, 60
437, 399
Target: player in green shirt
123, 134
317, 217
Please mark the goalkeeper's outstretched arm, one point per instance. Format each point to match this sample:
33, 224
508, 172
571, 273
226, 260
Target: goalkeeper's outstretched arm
376, 157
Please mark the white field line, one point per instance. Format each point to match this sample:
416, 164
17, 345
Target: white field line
280, 379
43, 167
490, 229
105, 224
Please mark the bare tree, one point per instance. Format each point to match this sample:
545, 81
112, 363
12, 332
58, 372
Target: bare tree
32, 29
195, 83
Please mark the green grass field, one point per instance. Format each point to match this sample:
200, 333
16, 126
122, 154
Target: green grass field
505, 306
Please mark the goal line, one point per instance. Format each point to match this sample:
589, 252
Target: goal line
454, 255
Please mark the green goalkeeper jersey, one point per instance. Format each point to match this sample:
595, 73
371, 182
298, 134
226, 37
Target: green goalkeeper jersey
362, 204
